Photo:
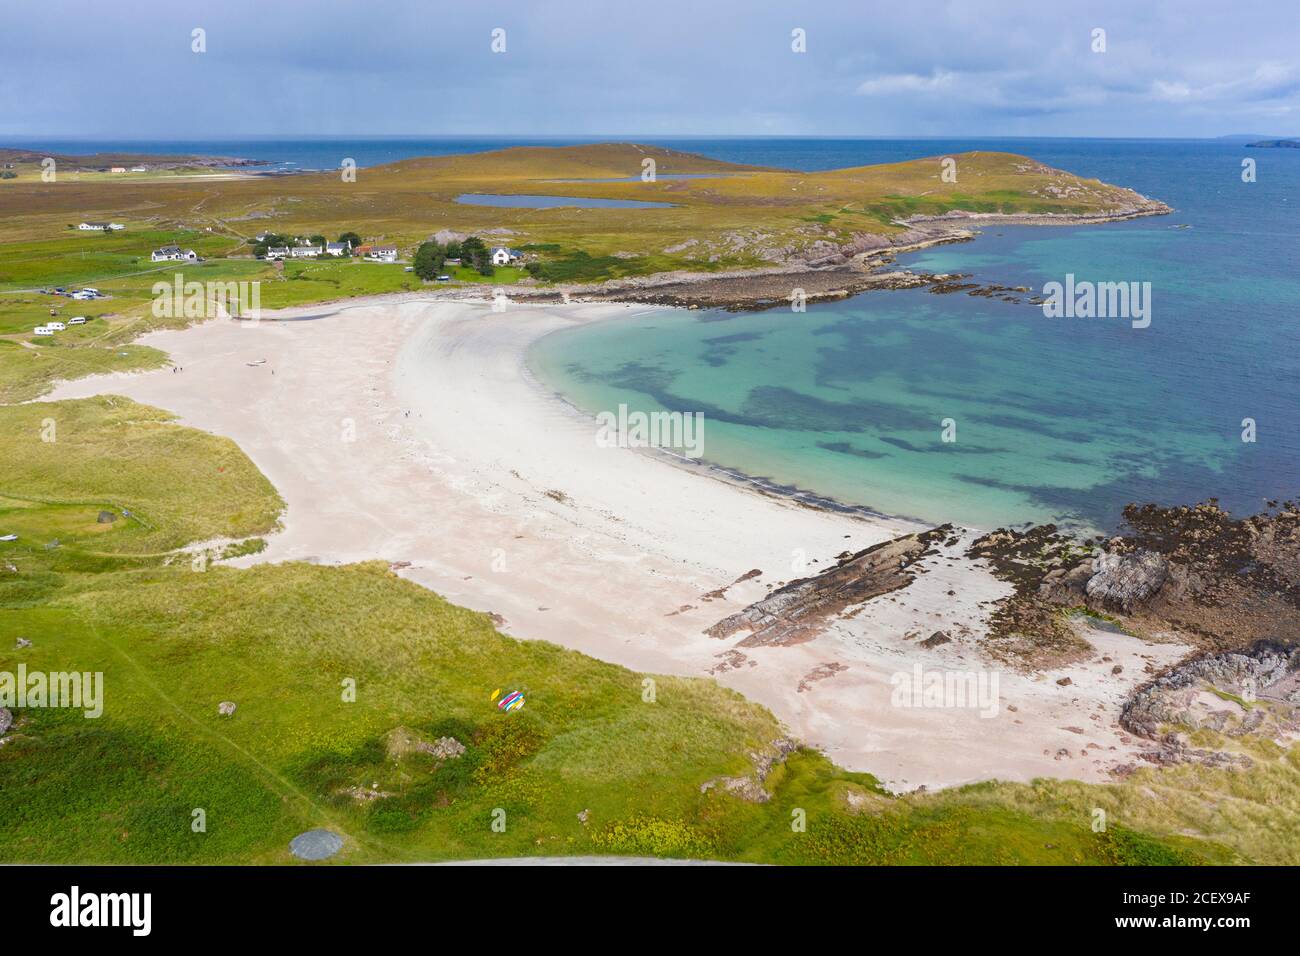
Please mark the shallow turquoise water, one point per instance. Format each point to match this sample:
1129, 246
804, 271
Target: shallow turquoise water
1056, 419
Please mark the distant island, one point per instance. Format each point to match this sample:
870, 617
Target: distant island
1279, 143
11, 157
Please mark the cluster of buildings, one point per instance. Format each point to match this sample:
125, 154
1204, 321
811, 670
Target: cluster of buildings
306, 250
500, 255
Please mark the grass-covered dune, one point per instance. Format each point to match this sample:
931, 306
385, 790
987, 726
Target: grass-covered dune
175, 636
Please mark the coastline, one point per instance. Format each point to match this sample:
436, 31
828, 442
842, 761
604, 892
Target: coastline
408, 429
860, 265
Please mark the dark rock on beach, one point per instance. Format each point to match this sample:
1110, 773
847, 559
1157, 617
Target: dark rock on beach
1218, 581
937, 639
802, 609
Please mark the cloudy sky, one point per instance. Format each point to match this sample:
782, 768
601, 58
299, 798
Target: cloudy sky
126, 69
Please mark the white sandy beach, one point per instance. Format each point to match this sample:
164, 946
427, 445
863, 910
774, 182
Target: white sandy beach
410, 430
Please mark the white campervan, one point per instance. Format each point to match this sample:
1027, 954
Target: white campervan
77, 320
55, 326
42, 330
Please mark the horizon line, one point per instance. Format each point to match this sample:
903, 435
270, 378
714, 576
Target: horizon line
605, 137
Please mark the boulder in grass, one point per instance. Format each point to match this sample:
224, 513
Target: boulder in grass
445, 748
226, 708
6, 721
23, 642
106, 517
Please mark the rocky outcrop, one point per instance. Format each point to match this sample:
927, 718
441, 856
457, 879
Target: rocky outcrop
802, 609
1174, 749
403, 742
749, 787
1170, 700
444, 748
1125, 582
1067, 585
1220, 582
1046, 569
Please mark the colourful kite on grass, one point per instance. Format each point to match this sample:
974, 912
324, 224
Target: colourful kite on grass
512, 701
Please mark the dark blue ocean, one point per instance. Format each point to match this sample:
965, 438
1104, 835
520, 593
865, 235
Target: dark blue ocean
1062, 419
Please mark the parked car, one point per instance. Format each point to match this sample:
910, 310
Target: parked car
77, 320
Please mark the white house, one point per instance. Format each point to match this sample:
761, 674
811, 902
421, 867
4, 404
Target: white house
501, 256
337, 248
383, 254
305, 252
277, 252
98, 226
174, 254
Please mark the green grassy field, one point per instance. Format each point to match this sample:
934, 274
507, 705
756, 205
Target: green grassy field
89, 258
174, 637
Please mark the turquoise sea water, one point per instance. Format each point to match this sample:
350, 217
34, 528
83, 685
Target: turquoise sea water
1056, 419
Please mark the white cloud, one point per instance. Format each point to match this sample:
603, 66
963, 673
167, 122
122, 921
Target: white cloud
893, 83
